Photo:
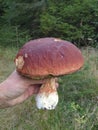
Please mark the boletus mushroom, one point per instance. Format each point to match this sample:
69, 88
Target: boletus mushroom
47, 58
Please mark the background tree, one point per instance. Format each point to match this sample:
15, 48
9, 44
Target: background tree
72, 20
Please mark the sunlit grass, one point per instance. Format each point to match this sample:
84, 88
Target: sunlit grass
78, 99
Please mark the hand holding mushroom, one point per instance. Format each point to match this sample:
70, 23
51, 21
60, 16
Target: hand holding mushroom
47, 58
37, 64
16, 88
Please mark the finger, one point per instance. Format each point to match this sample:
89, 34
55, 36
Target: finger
57, 85
29, 92
33, 81
56, 82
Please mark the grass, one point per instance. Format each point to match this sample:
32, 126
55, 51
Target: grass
78, 103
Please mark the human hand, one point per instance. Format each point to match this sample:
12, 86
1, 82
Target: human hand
16, 88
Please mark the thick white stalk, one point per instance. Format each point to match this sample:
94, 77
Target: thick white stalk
47, 98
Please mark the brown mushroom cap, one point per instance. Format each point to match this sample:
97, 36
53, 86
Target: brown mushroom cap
48, 56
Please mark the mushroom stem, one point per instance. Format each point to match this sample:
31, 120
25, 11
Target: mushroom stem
47, 98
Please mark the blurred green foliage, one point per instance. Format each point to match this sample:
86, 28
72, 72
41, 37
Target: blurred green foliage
73, 20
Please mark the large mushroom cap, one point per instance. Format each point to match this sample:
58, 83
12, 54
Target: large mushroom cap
48, 56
